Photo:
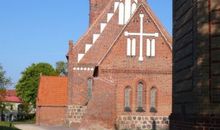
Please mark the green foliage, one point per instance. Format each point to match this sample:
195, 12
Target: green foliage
27, 86
4, 82
61, 67
6, 126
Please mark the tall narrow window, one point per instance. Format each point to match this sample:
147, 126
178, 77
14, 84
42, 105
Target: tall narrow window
89, 88
153, 100
127, 99
140, 98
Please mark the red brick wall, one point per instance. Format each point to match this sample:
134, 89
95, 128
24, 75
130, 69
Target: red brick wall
101, 109
96, 8
196, 72
128, 71
50, 116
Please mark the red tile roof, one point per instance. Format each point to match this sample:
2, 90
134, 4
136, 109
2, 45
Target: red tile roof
11, 96
52, 91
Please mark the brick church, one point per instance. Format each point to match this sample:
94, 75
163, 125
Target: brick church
120, 72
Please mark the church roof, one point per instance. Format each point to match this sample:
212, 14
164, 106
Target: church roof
52, 91
105, 31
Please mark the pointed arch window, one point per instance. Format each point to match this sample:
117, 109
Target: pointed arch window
140, 97
127, 99
89, 84
153, 100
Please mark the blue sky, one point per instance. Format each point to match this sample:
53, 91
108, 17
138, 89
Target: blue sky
33, 31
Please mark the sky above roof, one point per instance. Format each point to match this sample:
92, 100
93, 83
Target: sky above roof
33, 31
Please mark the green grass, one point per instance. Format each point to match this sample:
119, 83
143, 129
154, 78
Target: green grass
6, 126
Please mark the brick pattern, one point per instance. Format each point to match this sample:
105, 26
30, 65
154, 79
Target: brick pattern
114, 70
75, 114
195, 122
134, 122
96, 8
50, 115
101, 107
196, 57
214, 47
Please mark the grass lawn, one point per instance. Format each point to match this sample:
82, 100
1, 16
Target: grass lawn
6, 126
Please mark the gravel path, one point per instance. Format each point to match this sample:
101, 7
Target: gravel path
35, 127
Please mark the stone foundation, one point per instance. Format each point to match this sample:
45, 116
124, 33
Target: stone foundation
75, 114
142, 123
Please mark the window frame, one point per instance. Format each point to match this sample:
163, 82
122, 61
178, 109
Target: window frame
128, 108
141, 108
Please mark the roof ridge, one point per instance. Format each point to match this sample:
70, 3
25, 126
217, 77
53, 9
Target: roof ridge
167, 36
52, 76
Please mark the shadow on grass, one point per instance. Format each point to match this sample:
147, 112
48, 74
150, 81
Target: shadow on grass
8, 128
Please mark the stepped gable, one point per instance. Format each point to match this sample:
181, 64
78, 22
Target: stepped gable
87, 40
101, 36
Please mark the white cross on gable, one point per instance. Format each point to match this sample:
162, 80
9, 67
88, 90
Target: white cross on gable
142, 35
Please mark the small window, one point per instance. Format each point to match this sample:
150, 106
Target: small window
153, 100
127, 99
90, 88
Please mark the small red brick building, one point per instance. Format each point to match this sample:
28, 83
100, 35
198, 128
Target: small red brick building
51, 100
119, 72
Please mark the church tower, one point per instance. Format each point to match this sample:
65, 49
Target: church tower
96, 8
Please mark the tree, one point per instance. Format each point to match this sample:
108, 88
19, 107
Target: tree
61, 67
27, 86
4, 82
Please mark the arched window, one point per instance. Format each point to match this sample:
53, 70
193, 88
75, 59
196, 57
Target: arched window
127, 99
89, 83
140, 99
153, 100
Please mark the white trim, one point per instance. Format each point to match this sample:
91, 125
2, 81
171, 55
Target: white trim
141, 34
133, 8
82, 69
128, 47
121, 14
87, 47
141, 37
133, 46
153, 47
80, 56
127, 10
116, 4
102, 27
95, 37
148, 48
123, 29
109, 16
